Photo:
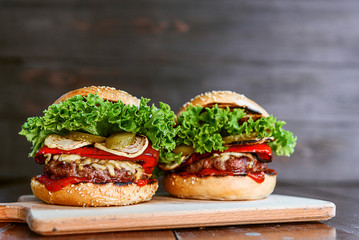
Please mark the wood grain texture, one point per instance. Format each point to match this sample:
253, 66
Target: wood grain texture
301, 231
345, 223
304, 31
298, 59
163, 212
343, 195
12, 231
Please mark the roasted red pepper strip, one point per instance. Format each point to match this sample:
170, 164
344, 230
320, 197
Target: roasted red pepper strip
259, 177
54, 185
148, 159
262, 150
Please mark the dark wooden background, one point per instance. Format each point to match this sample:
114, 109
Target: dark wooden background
298, 59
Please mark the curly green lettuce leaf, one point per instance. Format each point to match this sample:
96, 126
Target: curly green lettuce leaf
284, 143
203, 128
168, 157
91, 114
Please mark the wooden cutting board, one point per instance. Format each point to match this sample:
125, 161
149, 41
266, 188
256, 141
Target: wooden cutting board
163, 212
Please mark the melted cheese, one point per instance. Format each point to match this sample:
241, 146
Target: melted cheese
67, 158
227, 155
109, 165
48, 157
112, 165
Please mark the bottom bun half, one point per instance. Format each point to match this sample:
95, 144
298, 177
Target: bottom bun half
95, 195
219, 188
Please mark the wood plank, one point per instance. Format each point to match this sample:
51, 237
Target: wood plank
276, 30
163, 212
321, 112
17, 231
296, 58
278, 231
345, 222
346, 218
289, 92
298, 231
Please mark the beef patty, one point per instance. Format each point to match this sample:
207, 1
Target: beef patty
59, 169
239, 164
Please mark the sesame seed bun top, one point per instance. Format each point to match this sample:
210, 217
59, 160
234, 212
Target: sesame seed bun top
225, 99
106, 93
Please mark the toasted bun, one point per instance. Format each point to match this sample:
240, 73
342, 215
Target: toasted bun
219, 188
224, 99
107, 93
95, 195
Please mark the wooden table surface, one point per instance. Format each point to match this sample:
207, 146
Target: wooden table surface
344, 226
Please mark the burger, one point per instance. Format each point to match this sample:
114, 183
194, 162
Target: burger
99, 147
225, 142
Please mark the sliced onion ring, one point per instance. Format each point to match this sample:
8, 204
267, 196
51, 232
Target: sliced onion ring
131, 151
57, 141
